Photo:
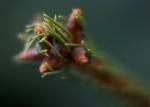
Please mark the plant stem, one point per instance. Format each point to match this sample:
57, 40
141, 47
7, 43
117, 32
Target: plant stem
98, 73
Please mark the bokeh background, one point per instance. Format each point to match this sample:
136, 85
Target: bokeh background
120, 28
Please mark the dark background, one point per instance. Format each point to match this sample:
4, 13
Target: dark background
118, 27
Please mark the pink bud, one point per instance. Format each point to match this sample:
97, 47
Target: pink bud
50, 63
29, 55
79, 56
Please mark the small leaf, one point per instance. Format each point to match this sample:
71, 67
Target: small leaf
81, 21
73, 44
58, 25
30, 43
56, 35
55, 19
51, 46
50, 73
42, 40
48, 22
63, 19
59, 38
30, 26
22, 37
42, 53
29, 30
63, 35
47, 26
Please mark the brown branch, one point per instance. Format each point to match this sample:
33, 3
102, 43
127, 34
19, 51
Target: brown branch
97, 71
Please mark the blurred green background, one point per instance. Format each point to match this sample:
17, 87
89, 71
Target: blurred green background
118, 27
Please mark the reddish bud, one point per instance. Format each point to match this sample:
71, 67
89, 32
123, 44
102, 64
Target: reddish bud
43, 67
49, 63
72, 25
39, 29
29, 55
74, 13
79, 56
